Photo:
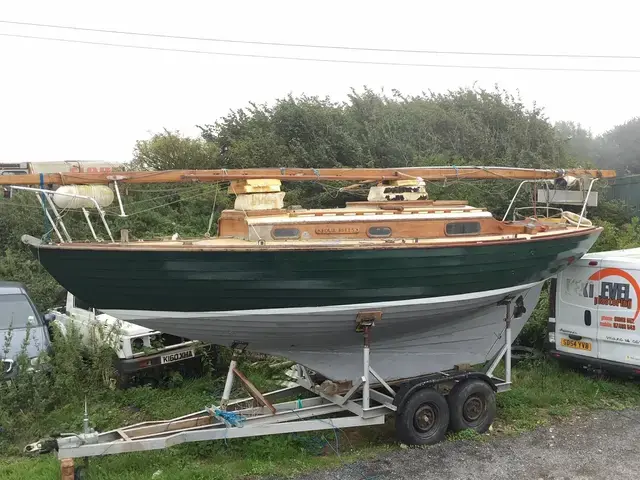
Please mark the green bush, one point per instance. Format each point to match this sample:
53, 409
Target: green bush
534, 331
72, 371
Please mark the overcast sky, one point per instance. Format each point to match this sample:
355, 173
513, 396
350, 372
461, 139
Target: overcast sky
68, 101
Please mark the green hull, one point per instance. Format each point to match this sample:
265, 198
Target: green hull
243, 280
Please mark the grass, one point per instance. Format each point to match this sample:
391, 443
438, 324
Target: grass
542, 392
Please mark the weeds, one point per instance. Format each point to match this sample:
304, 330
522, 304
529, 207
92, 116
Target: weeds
544, 389
71, 371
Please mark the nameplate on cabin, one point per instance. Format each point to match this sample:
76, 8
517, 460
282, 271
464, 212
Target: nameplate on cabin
337, 230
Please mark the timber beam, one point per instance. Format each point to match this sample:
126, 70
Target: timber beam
301, 174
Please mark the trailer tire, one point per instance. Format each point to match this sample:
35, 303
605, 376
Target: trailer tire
80, 473
472, 404
423, 418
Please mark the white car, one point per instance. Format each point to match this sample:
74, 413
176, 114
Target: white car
139, 351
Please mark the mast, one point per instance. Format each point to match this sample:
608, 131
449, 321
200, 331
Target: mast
302, 174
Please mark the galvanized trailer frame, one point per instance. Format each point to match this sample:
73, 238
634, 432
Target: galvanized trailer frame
368, 401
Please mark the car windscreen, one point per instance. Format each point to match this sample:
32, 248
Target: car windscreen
16, 312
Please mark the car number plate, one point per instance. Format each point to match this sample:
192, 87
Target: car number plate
578, 345
177, 356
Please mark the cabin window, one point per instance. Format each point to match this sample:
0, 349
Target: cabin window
285, 233
462, 228
379, 232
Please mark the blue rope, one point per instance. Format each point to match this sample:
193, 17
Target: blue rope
231, 419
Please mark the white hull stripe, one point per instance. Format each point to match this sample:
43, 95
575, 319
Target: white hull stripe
330, 308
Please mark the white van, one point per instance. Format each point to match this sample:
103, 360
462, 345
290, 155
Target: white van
593, 312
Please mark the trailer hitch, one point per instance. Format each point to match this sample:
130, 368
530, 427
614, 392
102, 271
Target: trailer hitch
42, 446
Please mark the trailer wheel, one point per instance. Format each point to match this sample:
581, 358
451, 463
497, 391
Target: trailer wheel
423, 419
80, 473
473, 406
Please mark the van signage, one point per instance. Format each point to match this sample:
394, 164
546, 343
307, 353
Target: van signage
615, 293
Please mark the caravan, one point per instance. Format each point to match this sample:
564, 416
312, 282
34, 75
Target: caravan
594, 310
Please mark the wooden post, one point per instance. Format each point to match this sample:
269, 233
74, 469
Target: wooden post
67, 469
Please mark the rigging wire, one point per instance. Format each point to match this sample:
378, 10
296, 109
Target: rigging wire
327, 60
213, 212
321, 46
170, 203
171, 193
19, 205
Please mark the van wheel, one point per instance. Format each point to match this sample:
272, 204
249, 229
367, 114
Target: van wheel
473, 406
423, 419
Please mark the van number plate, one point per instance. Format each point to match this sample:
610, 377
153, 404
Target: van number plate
177, 356
567, 342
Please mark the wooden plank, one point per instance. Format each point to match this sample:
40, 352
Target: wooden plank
254, 392
165, 427
300, 174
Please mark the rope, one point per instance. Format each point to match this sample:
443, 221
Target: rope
230, 419
213, 211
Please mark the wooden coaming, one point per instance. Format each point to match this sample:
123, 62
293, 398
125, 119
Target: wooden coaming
352, 224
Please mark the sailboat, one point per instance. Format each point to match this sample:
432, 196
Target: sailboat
433, 275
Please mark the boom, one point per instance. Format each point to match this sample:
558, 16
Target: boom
301, 174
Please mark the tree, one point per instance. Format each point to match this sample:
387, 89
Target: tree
171, 150
582, 146
619, 148
467, 126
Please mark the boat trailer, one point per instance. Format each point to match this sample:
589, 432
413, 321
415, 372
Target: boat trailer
425, 408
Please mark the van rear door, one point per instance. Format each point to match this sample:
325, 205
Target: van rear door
618, 339
576, 312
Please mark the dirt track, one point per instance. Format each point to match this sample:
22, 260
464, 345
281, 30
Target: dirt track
602, 445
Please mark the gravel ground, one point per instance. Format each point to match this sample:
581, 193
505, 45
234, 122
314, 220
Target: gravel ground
600, 445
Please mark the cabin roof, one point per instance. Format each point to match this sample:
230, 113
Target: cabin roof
354, 216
